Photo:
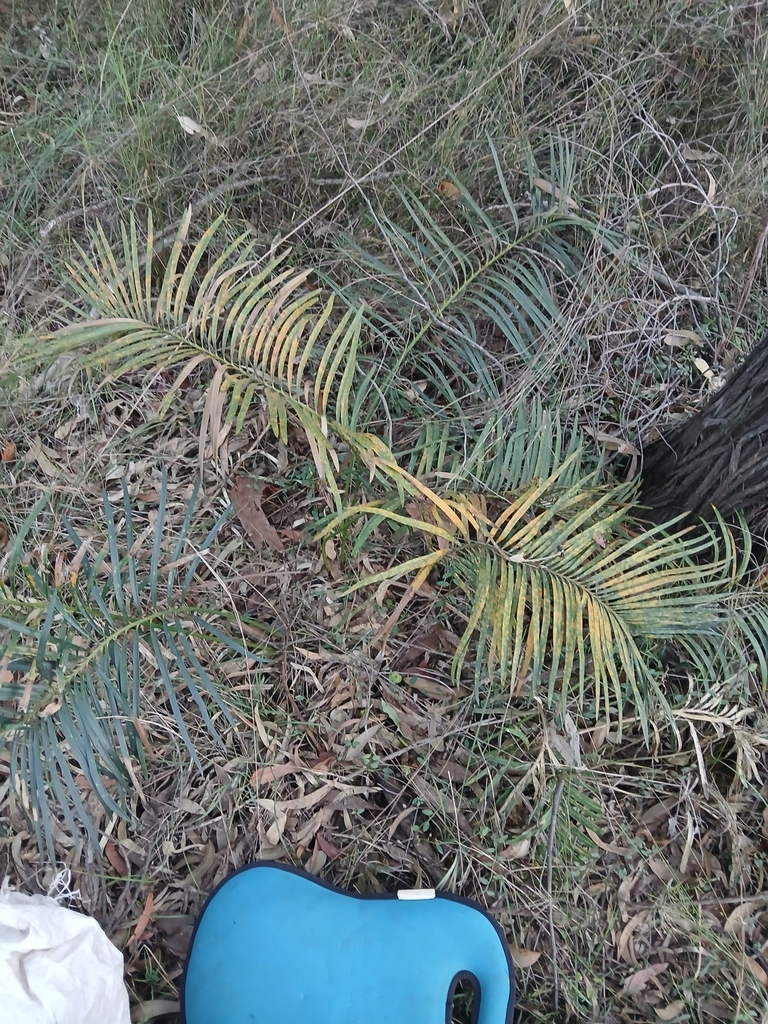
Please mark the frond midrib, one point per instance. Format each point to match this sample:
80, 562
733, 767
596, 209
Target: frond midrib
489, 262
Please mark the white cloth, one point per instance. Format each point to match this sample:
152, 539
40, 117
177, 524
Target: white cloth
57, 966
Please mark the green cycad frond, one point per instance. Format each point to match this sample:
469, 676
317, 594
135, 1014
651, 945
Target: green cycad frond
76, 659
745, 628
503, 454
257, 321
464, 295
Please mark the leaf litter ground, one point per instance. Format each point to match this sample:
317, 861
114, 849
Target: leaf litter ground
638, 871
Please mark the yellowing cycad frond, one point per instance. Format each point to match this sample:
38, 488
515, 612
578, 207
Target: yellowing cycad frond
560, 590
256, 320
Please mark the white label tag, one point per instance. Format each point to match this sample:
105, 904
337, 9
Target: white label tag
415, 894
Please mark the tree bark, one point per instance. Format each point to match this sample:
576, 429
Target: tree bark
719, 457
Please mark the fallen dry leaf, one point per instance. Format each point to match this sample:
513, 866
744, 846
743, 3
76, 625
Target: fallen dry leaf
449, 190
636, 982
735, 923
626, 889
671, 1010
317, 861
599, 735
44, 456
523, 958
50, 708
331, 851
428, 685
175, 934
273, 772
626, 946
696, 154
247, 503
152, 1008
716, 1008
115, 858
564, 747
712, 186
676, 339
756, 970
656, 813
703, 367
277, 19
621, 851
188, 806
613, 442
3, 535
661, 869
360, 123
189, 126
8, 453
144, 918
517, 851
556, 192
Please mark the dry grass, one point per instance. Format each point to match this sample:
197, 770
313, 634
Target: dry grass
627, 856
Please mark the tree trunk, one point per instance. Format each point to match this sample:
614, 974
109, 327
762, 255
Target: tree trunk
719, 457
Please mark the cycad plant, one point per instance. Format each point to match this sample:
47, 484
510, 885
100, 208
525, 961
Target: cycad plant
84, 656
566, 589
412, 419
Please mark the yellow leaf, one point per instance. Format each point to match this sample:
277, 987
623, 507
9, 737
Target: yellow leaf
449, 190
523, 958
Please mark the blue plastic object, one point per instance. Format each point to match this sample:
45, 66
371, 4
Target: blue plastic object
275, 945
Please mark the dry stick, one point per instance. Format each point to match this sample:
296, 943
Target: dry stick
232, 184
70, 215
665, 281
751, 275
707, 901
661, 279
550, 856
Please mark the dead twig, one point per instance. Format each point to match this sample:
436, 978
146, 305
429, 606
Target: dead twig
750, 275
551, 914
